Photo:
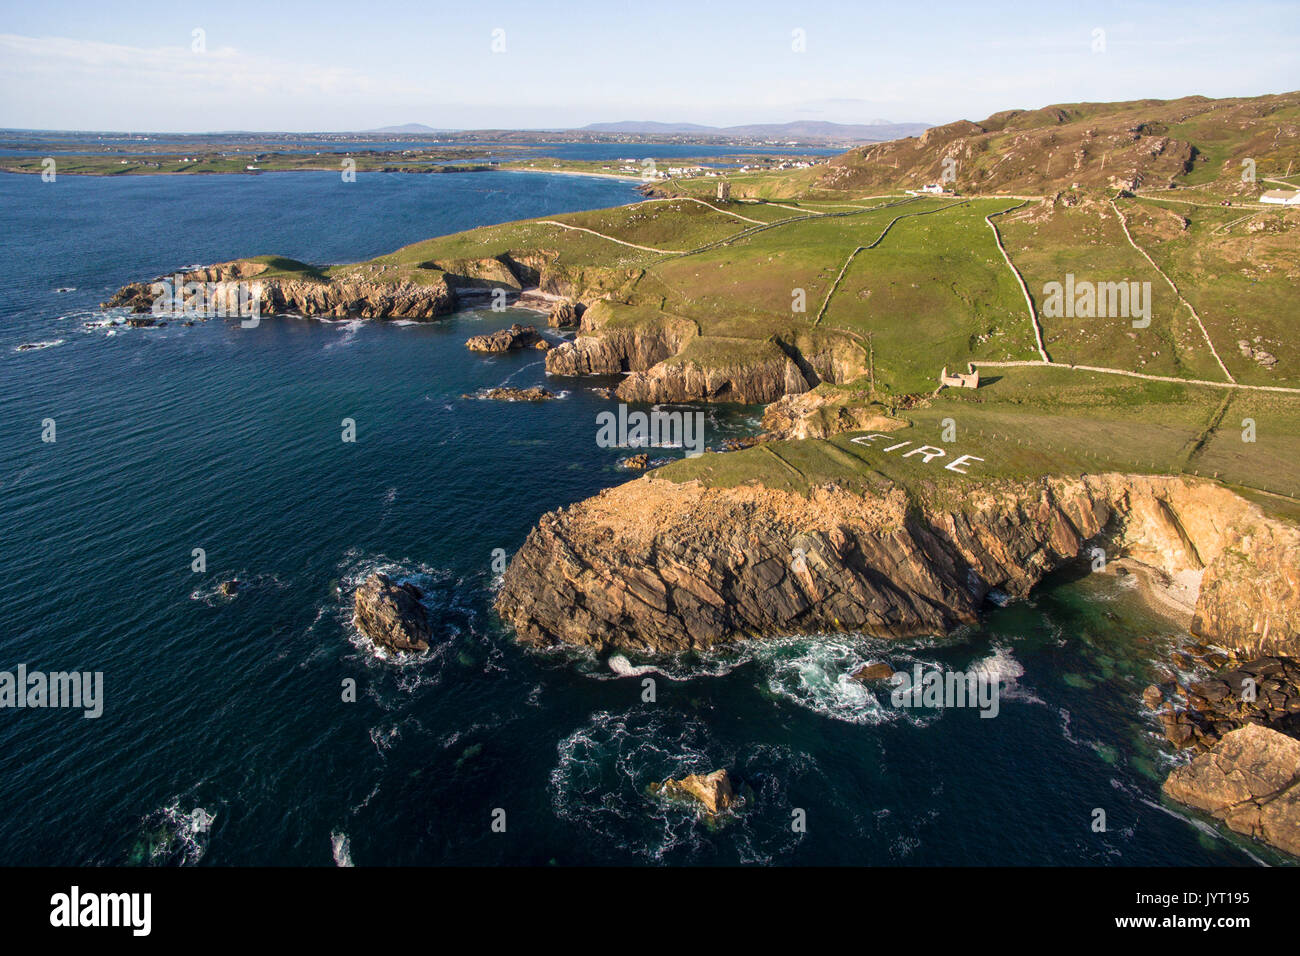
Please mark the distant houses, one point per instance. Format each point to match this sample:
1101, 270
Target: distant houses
932, 189
1282, 197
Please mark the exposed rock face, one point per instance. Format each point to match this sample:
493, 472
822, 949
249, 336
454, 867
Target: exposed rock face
1250, 781
505, 340
351, 298
1264, 692
565, 314
604, 349
391, 614
713, 791
751, 382
870, 672
358, 300
819, 415
656, 566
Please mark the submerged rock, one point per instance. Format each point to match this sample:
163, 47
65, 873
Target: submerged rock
713, 791
391, 614
506, 394
869, 672
1250, 781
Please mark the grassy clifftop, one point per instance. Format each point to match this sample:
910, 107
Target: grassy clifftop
833, 279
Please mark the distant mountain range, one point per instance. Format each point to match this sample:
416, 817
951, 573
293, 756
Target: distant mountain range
877, 131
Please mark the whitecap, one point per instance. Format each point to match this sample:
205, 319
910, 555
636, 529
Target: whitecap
341, 849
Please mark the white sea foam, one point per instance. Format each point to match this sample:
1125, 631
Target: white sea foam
341, 849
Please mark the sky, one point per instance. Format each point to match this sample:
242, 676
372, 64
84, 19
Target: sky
535, 65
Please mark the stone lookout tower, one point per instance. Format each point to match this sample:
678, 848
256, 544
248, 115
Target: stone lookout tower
724, 191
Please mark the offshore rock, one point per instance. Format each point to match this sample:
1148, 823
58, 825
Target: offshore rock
712, 791
505, 340
391, 614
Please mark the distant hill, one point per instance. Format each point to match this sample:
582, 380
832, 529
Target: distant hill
404, 128
1137, 144
805, 130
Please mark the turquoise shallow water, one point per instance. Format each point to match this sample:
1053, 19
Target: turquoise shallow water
230, 709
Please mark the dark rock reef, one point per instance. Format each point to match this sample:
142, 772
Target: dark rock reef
1264, 692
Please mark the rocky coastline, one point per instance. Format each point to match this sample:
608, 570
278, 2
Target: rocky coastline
714, 565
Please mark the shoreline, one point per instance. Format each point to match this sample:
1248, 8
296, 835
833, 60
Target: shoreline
1163, 594
575, 172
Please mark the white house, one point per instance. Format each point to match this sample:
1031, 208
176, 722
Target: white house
1282, 197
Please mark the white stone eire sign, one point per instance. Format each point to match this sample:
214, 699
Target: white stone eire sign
927, 452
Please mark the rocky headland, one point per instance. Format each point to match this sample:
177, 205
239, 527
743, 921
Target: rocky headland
659, 566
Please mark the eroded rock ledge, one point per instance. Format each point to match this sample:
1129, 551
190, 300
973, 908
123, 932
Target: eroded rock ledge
1250, 781
352, 298
657, 566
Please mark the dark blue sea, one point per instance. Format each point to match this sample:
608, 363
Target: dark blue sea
225, 737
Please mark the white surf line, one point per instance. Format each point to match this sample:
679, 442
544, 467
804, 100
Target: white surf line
1210, 383
601, 235
1213, 351
1029, 303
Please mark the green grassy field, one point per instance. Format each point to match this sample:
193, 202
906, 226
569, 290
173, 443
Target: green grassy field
868, 283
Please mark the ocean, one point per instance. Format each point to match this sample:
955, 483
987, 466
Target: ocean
227, 737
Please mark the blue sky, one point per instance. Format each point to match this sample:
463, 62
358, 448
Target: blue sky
342, 66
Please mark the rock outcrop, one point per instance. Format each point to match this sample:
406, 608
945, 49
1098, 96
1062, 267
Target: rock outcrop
608, 342
534, 393
1265, 692
1250, 781
658, 566
506, 340
712, 791
565, 314
391, 614
749, 379
348, 297
819, 414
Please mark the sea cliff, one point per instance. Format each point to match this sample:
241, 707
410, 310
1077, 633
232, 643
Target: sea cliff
658, 566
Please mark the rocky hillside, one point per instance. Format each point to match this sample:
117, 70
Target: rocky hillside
1144, 143
657, 566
